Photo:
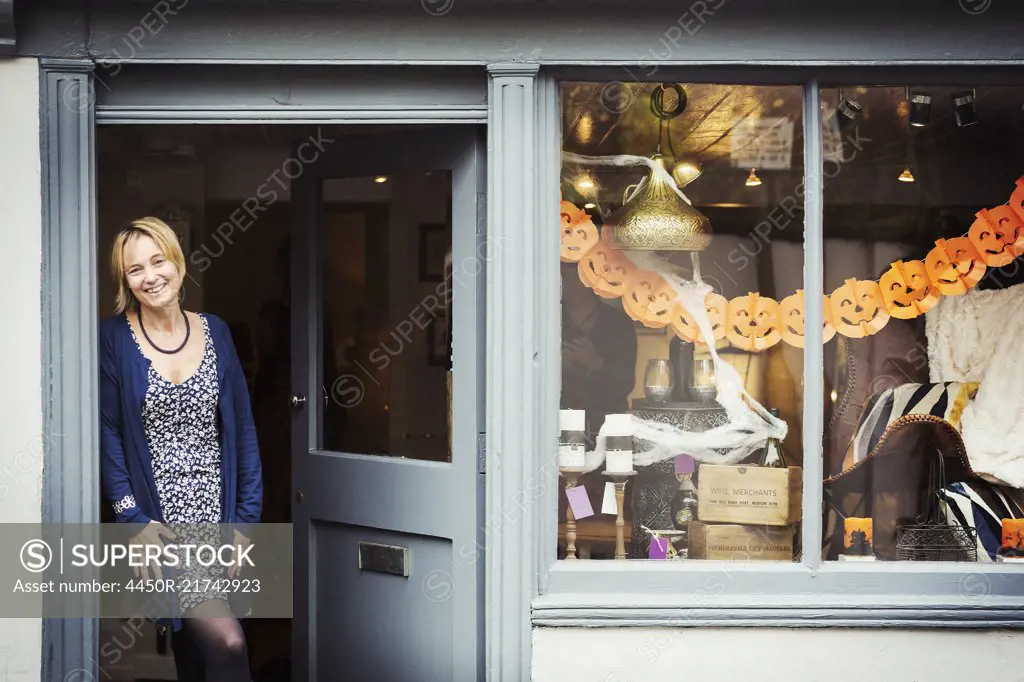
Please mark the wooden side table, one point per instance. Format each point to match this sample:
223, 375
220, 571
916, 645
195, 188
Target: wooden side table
593, 536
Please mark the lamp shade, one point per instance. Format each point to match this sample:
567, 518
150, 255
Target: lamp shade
656, 218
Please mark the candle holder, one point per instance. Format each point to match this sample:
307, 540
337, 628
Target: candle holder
1011, 548
571, 476
619, 478
858, 539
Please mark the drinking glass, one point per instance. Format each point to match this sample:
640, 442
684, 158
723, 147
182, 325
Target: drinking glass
702, 384
658, 381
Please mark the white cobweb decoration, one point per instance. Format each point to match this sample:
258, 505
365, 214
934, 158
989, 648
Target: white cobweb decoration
748, 424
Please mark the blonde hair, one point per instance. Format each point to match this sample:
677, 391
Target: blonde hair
165, 239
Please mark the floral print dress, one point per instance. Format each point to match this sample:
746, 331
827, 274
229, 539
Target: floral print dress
184, 445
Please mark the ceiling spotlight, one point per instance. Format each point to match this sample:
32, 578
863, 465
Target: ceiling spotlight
380, 179
848, 109
965, 108
906, 175
752, 179
686, 172
920, 108
589, 205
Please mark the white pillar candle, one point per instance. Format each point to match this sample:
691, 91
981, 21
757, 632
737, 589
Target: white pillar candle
618, 454
572, 438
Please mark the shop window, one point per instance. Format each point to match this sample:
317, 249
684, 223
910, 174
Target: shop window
682, 253
923, 227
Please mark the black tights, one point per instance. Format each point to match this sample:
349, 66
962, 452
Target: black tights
210, 647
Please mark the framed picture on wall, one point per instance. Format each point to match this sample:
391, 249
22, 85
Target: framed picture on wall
432, 250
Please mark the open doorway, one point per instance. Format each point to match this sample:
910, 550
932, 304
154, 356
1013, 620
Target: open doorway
227, 192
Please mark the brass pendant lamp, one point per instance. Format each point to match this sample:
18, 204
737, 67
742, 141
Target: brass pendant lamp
655, 217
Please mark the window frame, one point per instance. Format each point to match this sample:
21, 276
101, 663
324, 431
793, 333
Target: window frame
808, 593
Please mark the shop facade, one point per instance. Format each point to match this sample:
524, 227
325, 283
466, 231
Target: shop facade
552, 93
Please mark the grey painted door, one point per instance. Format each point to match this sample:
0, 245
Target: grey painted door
388, 549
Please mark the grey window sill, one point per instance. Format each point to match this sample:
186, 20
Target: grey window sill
738, 594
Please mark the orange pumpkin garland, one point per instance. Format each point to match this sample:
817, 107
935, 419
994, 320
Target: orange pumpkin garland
858, 309
990, 241
643, 290
605, 270
579, 234
661, 308
954, 265
752, 322
791, 320
1017, 198
685, 327
1007, 228
907, 290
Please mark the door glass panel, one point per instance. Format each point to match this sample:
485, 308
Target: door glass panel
385, 242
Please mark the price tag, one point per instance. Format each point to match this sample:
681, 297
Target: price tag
608, 505
579, 502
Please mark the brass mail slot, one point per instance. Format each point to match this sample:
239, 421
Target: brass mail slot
384, 558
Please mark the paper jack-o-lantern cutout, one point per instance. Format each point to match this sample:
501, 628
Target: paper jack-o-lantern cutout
998, 236
649, 299
954, 265
907, 290
571, 213
662, 307
791, 320
685, 327
1017, 198
752, 322
858, 308
579, 234
605, 270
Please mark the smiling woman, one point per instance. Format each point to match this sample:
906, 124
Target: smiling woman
179, 449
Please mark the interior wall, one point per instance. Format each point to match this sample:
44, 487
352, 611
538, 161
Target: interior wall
419, 414
138, 187
22, 443
772, 654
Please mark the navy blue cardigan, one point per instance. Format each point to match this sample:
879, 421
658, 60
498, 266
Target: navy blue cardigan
125, 459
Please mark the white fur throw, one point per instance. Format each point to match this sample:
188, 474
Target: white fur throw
980, 337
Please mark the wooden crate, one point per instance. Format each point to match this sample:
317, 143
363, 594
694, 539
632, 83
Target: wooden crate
746, 494
733, 542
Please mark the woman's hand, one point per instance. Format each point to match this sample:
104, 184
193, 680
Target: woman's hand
148, 537
240, 542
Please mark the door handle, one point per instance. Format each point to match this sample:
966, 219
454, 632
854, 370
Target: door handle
298, 400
